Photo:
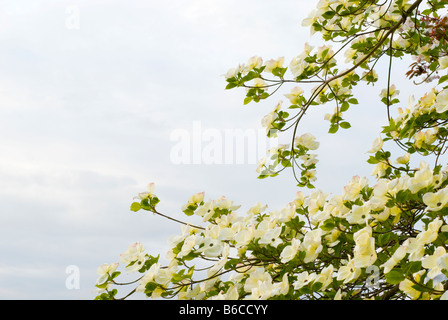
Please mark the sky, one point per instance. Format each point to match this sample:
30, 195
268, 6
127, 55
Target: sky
92, 97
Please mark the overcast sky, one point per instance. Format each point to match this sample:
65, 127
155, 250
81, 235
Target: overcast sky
90, 93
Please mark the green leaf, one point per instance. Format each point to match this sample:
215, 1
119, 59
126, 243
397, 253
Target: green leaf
188, 212
353, 101
333, 128
135, 206
395, 276
145, 205
413, 267
372, 160
247, 100
443, 78
231, 85
345, 125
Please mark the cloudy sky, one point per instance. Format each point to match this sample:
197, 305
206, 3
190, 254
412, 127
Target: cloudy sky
90, 94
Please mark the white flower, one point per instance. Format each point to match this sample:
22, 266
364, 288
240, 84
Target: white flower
272, 64
134, 257
148, 277
441, 104
358, 214
287, 213
312, 244
256, 209
211, 247
196, 198
431, 262
392, 92
105, 270
364, 252
187, 246
376, 145
348, 272
307, 140
398, 255
290, 251
149, 192
261, 164
422, 178
253, 62
271, 237
259, 275
294, 95
303, 279
443, 62
436, 201
403, 159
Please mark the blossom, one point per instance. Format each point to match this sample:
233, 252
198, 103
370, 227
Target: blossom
348, 272
309, 159
303, 279
287, 213
422, 178
396, 257
403, 159
196, 198
364, 252
431, 232
376, 145
134, 257
290, 251
258, 275
259, 83
443, 62
187, 246
253, 62
273, 64
441, 104
358, 214
149, 192
243, 237
256, 209
431, 262
392, 92
271, 237
148, 277
326, 276
294, 95
312, 244
307, 140
299, 199
211, 247
436, 201
261, 164
407, 286
206, 210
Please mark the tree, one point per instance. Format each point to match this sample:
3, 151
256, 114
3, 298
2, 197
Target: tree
383, 241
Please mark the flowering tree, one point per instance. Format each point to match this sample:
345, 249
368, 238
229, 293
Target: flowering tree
386, 240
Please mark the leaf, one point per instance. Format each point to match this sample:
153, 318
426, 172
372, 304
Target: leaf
333, 128
395, 276
345, 125
231, 85
135, 206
